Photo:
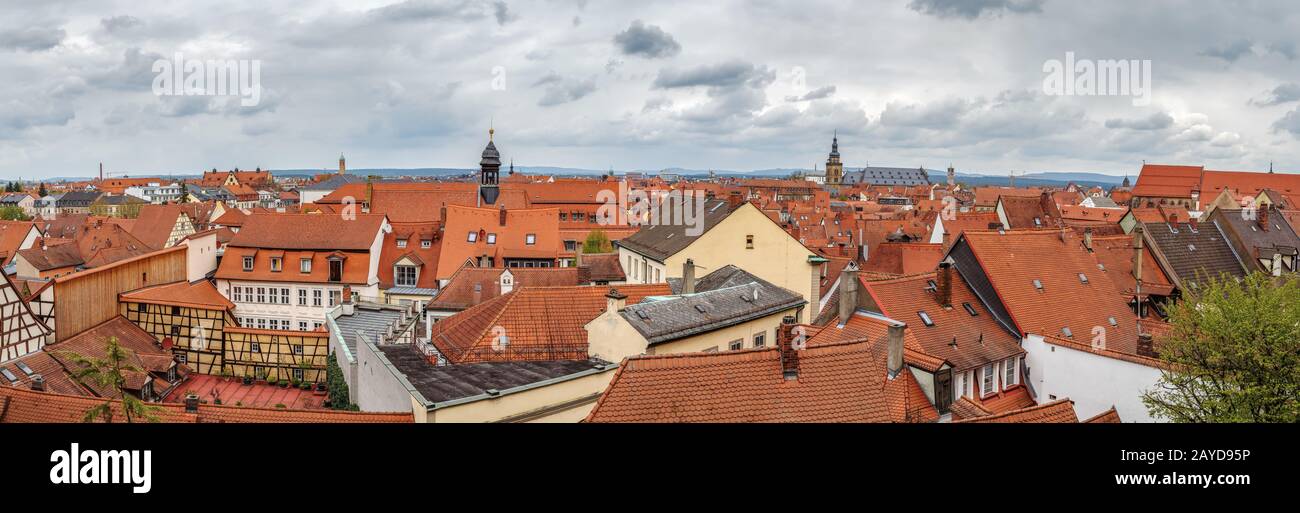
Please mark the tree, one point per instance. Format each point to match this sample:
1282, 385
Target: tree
109, 373
597, 242
13, 213
339, 396
1233, 353
42, 190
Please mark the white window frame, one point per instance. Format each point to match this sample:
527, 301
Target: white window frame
397, 275
302, 297
473, 237
1010, 372
304, 265
248, 263
401, 243
317, 298
988, 379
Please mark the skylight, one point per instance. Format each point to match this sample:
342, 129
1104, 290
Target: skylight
969, 309
1038, 285
1066, 330
23, 367
9, 375
1112, 321
925, 318
1083, 278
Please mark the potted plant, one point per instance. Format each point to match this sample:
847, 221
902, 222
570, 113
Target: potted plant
284, 383
320, 387
248, 380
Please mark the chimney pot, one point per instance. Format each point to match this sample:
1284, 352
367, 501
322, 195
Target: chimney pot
191, 403
1145, 345
688, 277
896, 348
848, 292
1262, 218
785, 339
38, 383
615, 300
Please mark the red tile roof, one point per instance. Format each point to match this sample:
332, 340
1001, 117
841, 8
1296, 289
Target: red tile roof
1013, 260
414, 235
540, 323
155, 223
843, 382
233, 392
356, 266
317, 232
201, 294
510, 237
1106, 417
146, 354
1055, 412
1164, 181
473, 285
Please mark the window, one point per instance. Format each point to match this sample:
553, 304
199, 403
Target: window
316, 325
284, 296
182, 358
248, 263
986, 387
302, 297
304, 265
473, 237
336, 270
261, 294
297, 348
960, 389
749, 242
564, 216
1009, 372
491, 238
401, 243
925, 318
405, 276
255, 347
297, 374
239, 294
1038, 285
760, 339
302, 325
736, 345
261, 324
969, 309
426, 244
336, 297
1083, 278
277, 264
316, 298
530, 239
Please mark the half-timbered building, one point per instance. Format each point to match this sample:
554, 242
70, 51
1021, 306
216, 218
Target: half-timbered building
187, 318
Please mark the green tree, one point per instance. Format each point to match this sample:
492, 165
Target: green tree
42, 190
109, 372
338, 388
12, 213
597, 242
1233, 353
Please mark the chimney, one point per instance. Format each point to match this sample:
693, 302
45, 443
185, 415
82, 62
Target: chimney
1173, 219
688, 277
191, 403
1087, 239
1262, 218
347, 294
1194, 221
615, 301
577, 256
848, 292
734, 199
503, 215
896, 349
370, 191
442, 214
1146, 346
943, 289
38, 383
785, 340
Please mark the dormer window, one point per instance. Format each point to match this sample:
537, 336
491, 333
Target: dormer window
248, 263
405, 276
336, 269
304, 265
491, 238
401, 243
530, 239
426, 243
277, 264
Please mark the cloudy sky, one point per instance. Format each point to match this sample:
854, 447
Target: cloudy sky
647, 85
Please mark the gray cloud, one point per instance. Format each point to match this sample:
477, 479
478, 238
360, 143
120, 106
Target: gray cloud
815, 94
1231, 51
1157, 121
1289, 123
18, 116
502, 13
971, 9
31, 39
120, 23
1283, 93
560, 90
725, 75
648, 41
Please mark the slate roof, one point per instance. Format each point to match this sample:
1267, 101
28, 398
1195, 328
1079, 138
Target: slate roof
661, 241
1256, 242
444, 383
368, 321
334, 182
1191, 254
665, 320
887, 176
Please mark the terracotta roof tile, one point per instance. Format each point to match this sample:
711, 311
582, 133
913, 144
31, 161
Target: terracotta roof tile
201, 294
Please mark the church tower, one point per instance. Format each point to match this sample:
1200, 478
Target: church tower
489, 171
834, 169
343, 165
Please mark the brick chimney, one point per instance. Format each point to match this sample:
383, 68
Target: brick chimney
615, 300
577, 255
347, 293
789, 351
1087, 239
1173, 218
848, 292
688, 277
442, 214
734, 199
191, 403
943, 285
1145, 345
503, 215
896, 349
38, 383
1262, 218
